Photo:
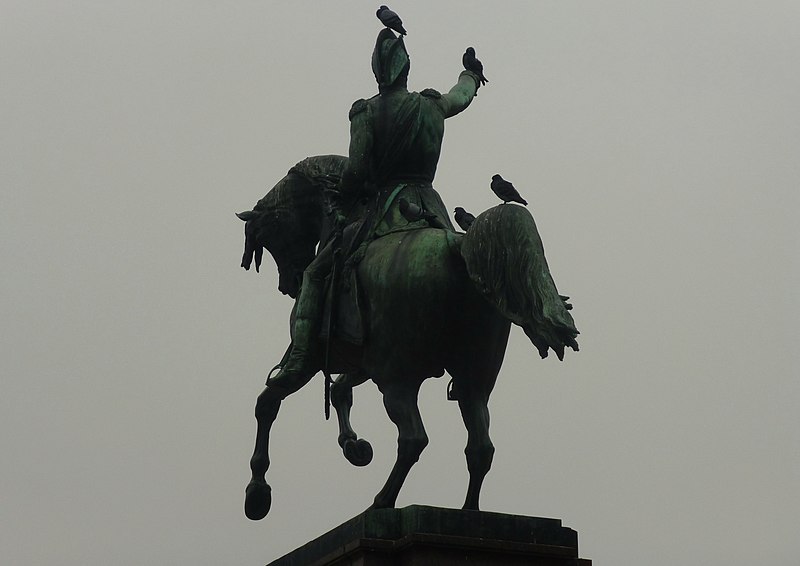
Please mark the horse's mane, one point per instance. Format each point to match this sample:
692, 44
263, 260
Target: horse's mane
299, 191
290, 215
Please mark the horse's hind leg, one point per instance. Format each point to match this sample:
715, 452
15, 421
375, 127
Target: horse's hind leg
479, 450
357, 451
400, 401
475, 369
258, 495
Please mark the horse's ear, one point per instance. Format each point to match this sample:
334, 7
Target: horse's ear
247, 215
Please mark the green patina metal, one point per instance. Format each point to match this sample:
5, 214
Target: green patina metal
411, 298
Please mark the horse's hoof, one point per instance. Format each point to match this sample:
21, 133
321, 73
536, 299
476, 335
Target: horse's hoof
358, 452
257, 500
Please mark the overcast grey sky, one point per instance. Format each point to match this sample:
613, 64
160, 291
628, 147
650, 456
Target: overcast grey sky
657, 143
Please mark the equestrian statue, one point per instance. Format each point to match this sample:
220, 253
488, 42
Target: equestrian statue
386, 289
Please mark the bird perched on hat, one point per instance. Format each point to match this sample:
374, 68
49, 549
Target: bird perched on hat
391, 20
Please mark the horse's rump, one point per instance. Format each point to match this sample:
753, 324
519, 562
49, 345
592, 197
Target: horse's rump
414, 287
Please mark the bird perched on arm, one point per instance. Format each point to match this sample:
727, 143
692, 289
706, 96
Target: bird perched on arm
473, 64
391, 20
463, 218
506, 191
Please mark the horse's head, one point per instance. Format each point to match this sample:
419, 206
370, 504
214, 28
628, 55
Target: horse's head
287, 222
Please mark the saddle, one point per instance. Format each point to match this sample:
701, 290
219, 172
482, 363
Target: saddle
346, 301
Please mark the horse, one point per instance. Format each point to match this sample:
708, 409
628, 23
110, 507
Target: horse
434, 301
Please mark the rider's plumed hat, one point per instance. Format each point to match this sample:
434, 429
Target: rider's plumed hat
390, 60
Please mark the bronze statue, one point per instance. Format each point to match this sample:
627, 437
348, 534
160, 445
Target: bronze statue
395, 294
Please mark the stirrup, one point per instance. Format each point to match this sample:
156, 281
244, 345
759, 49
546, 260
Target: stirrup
269, 374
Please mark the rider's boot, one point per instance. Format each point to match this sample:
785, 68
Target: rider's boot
303, 360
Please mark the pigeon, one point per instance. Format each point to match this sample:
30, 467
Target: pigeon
413, 212
472, 64
506, 191
463, 218
391, 20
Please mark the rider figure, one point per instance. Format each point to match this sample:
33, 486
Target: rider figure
395, 142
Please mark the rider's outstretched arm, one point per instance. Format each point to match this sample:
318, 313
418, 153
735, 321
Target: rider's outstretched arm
460, 96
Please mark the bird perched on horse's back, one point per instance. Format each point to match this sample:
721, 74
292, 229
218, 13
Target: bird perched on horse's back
391, 20
506, 191
463, 218
471, 63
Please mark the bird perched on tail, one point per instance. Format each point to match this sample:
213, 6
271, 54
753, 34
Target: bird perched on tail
473, 64
391, 20
506, 191
463, 218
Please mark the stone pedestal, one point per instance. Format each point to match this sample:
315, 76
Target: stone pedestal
418, 535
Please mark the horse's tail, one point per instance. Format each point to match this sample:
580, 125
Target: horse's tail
505, 260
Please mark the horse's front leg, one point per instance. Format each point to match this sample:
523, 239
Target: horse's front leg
258, 495
400, 400
357, 450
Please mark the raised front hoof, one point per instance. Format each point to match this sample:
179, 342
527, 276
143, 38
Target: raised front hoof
257, 500
358, 452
